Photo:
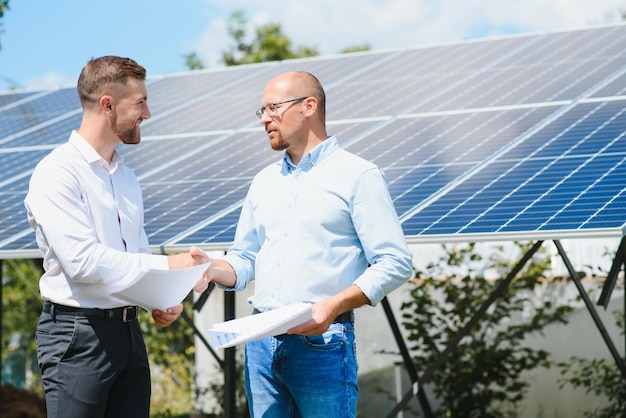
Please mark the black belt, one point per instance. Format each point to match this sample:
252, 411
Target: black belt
345, 317
124, 314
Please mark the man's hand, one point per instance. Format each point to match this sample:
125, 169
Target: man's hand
325, 311
322, 316
194, 257
164, 318
202, 258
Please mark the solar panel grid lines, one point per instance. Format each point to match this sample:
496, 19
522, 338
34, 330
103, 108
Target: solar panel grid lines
212, 97
38, 112
415, 211
233, 103
614, 87
585, 213
433, 73
505, 138
525, 205
212, 219
501, 139
9, 98
204, 168
539, 73
9, 101
484, 82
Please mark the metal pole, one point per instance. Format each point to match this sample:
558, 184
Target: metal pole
592, 310
230, 369
500, 289
406, 357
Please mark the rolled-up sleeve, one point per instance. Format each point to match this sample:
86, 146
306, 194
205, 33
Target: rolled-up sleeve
381, 235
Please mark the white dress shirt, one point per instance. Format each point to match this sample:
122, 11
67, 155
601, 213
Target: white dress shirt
88, 220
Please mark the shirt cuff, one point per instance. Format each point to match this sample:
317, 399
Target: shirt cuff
158, 262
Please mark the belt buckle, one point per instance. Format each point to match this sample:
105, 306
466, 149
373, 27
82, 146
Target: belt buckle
125, 316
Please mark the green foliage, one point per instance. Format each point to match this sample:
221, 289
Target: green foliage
193, 62
171, 350
482, 377
270, 44
357, 48
21, 307
601, 377
216, 389
4, 5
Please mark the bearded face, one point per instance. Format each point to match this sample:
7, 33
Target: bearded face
127, 129
277, 142
130, 108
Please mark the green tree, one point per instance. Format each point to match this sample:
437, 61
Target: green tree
602, 377
270, 44
21, 307
482, 377
356, 48
4, 5
193, 62
171, 350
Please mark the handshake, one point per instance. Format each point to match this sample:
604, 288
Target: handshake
194, 257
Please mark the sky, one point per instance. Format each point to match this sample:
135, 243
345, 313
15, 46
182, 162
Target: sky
45, 44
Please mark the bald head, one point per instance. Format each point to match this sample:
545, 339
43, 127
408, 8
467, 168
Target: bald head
302, 84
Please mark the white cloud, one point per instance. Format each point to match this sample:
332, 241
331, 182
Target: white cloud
50, 80
331, 25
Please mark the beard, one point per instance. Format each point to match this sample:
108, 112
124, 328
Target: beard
277, 143
127, 134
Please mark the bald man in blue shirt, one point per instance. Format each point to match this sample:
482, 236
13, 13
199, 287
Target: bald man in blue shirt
318, 226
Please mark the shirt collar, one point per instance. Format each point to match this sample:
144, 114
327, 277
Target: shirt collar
313, 157
89, 153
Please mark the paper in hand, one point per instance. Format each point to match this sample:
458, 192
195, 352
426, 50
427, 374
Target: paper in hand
253, 327
162, 289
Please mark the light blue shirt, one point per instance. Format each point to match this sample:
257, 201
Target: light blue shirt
309, 231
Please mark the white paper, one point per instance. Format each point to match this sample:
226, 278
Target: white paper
162, 289
261, 325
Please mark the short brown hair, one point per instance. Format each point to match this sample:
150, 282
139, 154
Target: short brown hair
104, 73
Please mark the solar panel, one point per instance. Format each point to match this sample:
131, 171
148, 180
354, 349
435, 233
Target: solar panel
517, 137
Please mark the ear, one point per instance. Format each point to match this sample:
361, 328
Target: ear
311, 105
106, 102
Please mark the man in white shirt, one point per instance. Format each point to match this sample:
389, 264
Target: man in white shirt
86, 208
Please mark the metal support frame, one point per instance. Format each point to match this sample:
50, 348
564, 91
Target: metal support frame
618, 262
500, 289
592, 310
228, 364
408, 362
418, 383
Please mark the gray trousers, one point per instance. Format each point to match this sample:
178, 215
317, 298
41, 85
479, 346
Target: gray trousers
93, 367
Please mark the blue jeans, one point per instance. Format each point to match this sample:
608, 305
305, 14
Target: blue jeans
296, 376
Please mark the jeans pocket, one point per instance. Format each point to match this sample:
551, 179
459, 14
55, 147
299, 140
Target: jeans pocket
333, 337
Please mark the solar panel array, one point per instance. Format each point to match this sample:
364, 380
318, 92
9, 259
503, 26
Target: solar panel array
518, 137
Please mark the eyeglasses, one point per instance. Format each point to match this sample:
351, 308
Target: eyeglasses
272, 108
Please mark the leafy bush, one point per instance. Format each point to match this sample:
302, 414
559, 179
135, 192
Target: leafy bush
482, 377
601, 377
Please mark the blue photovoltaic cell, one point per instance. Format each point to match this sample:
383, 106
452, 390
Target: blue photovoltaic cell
519, 136
561, 178
10, 98
41, 109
